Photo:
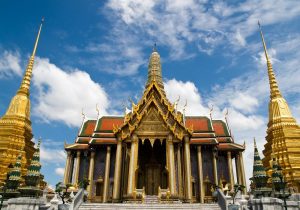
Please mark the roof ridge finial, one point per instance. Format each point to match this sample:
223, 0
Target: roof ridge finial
24, 88
97, 110
83, 115
274, 90
226, 121
184, 110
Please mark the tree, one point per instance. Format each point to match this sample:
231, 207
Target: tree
236, 189
62, 190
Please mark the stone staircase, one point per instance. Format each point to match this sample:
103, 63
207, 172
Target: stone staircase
151, 199
150, 202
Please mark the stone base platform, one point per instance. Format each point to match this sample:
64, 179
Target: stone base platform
117, 206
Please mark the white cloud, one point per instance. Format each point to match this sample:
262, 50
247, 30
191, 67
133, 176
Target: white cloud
244, 102
50, 155
63, 94
187, 92
241, 40
177, 24
10, 64
60, 171
196, 106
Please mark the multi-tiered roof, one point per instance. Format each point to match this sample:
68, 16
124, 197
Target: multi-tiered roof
200, 129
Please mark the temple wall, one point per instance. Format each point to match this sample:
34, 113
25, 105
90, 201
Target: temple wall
111, 171
207, 163
223, 172
99, 170
84, 166
195, 175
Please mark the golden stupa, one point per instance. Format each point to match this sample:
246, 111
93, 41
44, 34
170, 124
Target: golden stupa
283, 133
15, 125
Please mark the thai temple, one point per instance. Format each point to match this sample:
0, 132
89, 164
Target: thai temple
283, 133
154, 150
15, 125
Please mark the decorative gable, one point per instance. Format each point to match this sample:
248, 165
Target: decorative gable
165, 114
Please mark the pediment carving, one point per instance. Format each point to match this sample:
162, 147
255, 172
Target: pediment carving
152, 122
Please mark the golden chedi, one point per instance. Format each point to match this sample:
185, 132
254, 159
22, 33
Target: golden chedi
15, 125
283, 133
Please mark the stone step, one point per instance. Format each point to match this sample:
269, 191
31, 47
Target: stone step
120, 206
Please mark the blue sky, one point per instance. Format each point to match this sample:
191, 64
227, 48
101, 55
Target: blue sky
96, 52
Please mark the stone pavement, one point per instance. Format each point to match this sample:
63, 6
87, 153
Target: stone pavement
107, 206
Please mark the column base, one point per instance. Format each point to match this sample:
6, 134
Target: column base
116, 200
187, 201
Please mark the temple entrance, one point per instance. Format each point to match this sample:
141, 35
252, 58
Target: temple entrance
152, 179
152, 161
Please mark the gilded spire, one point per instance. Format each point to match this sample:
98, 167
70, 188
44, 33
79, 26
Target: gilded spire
24, 88
154, 69
274, 90
20, 103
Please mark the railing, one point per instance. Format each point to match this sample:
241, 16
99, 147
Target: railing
222, 200
78, 200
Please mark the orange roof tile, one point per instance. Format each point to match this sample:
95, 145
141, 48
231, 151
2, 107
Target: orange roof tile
76, 146
107, 123
230, 146
203, 141
220, 128
198, 123
88, 128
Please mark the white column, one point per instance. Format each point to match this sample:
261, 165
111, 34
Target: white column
132, 165
91, 174
117, 172
106, 177
200, 173
230, 170
67, 168
77, 168
215, 167
170, 152
188, 172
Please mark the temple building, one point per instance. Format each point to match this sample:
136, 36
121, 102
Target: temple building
283, 133
15, 125
154, 150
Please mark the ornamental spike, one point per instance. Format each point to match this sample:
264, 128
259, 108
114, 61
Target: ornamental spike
25, 85
274, 90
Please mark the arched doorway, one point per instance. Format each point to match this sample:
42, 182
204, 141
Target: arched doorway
152, 171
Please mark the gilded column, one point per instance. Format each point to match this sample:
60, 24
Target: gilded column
117, 173
132, 165
91, 174
171, 159
238, 171
67, 168
242, 169
77, 168
230, 169
200, 173
215, 152
106, 176
179, 171
188, 171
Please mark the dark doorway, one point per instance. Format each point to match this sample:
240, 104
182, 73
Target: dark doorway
152, 163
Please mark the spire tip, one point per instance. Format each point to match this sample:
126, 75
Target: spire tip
154, 49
